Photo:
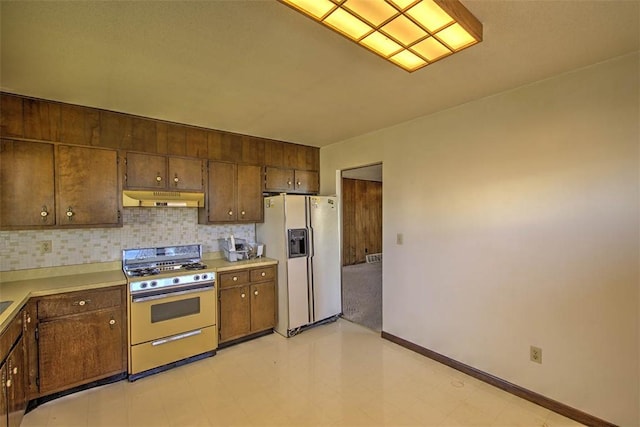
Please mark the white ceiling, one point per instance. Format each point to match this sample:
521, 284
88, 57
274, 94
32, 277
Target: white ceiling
262, 69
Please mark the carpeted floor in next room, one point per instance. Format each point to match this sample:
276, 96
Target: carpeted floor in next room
362, 294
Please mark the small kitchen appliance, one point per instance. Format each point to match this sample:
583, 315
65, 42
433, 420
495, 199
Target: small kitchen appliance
171, 307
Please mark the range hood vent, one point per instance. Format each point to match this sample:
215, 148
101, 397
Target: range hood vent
178, 199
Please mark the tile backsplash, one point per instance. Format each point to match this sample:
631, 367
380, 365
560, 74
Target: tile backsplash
142, 227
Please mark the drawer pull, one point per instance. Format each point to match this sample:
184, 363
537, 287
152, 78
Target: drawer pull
112, 322
235, 278
263, 274
82, 303
176, 337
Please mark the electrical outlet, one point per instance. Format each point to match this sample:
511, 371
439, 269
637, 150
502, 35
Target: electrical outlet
45, 246
535, 354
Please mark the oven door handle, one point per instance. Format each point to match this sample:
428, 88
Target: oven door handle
171, 294
176, 337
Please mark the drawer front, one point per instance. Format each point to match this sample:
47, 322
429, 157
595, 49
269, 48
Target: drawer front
78, 302
263, 274
233, 278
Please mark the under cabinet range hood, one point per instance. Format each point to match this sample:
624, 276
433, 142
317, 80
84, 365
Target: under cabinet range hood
178, 199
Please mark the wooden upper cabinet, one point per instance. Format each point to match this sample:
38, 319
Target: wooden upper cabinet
306, 181
41, 119
148, 171
115, 130
87, 186
234, 194
249, 187
79, 125
145, 171
221, 195
291, 180
278, 179
185, 174
11, 116
27, 183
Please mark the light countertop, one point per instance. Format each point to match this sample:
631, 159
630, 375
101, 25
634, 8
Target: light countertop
19, 286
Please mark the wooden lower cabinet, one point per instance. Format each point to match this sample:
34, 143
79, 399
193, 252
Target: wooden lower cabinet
81, 337
13, 395
247, 302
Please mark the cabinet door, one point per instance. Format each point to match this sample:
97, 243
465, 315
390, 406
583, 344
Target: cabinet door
26, 179
234, 313
185, 174
263, 306
306, 181
279, 179
87, 186
4, 396
250, 193
78, 349
146, 171
222, 192
16, 392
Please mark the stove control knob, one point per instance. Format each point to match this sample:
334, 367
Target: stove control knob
205, 276
176, 280
196, 277
143, 285
154, 284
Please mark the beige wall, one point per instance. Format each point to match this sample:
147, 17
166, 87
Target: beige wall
521, 227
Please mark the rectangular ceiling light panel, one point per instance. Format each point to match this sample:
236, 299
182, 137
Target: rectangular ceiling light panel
408, 33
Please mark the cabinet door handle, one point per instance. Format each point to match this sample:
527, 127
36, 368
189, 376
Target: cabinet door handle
44, 213
299, 183
175, 179
235, 278
112, 322
158, 178
15, 370
255, 293
242, 213
263, 274
230, 212
242, 295
289, 183
70, 213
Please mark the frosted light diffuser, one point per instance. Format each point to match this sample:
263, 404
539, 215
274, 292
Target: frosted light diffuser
408, 33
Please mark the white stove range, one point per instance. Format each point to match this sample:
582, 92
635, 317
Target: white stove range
172, 307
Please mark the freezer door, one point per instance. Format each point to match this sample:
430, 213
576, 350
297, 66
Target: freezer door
325, 257
298, 290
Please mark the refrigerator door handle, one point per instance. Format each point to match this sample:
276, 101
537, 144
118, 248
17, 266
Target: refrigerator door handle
310, 242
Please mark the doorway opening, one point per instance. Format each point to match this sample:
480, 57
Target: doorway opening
361, 194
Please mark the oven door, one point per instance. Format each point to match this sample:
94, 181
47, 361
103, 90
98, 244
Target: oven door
157, 315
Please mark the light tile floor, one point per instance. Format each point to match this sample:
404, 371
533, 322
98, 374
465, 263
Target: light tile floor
339, 374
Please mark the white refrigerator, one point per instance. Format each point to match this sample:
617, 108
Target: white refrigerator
303, 234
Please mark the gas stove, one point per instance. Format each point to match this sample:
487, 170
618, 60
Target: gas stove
164, 268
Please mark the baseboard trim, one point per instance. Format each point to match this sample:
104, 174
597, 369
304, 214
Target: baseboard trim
514, 389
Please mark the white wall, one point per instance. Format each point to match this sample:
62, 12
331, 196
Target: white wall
520, 215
